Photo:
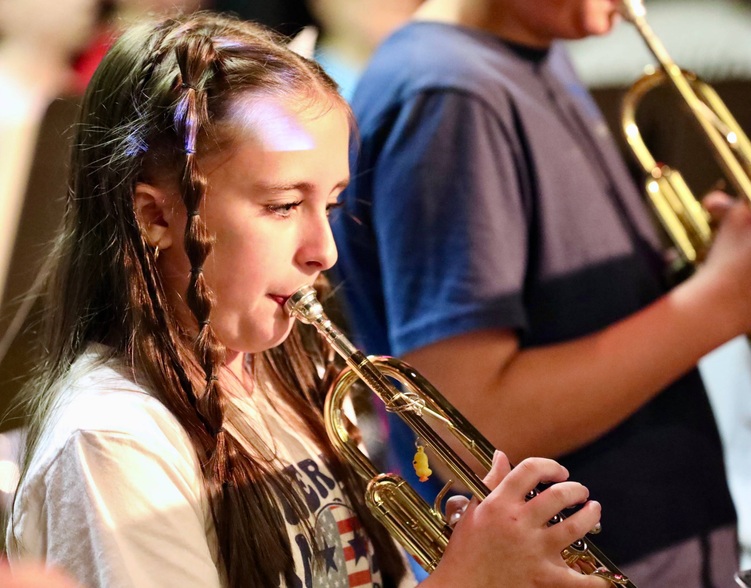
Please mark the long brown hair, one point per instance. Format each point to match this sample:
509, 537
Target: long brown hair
160, 93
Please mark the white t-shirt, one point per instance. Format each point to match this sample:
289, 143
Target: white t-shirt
114, 493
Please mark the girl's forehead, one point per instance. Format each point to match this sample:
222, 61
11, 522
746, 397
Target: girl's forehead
265, 137
278, 124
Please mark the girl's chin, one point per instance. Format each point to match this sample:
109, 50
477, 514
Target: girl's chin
274, 339
261, 342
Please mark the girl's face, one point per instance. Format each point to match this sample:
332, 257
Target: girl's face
267, 205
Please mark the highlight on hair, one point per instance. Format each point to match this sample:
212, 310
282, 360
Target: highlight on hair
157, 101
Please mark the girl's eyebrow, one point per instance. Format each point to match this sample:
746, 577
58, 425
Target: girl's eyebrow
295, 186
300, 186
343, 184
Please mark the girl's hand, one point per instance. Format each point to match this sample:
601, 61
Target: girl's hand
33, 576
505, 540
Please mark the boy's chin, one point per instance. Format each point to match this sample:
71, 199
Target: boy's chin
600, 25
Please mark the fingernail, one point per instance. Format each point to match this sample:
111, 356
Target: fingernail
496, 456
454, 518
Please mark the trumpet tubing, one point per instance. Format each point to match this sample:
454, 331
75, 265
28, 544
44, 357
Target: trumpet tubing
743, 578
680, 212
418, 526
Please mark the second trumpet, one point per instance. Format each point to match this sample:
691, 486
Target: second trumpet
420, 528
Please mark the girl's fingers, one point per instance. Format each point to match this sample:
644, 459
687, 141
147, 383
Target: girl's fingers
455, 507
590, 582
575, 526
526, 476
499, 471
555, 498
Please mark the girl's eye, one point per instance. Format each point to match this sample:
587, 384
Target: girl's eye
333, 207
283, 210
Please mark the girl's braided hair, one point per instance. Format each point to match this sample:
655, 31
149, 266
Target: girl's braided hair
155, 103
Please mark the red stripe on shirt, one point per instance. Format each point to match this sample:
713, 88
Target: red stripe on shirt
348, 525
360, 578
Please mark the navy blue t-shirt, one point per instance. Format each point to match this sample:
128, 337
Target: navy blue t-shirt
487, 192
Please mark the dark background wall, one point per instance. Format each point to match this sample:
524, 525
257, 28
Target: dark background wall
286, 16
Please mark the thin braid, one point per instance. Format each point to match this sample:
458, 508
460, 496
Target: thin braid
238, 483
154, 311
196, 59
157, 50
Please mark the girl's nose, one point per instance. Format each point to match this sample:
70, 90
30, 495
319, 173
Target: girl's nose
318, 249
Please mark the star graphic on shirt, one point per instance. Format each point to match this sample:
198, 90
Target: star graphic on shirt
327, 553
359, 546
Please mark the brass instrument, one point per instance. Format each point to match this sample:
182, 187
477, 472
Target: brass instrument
420, 528
681, 214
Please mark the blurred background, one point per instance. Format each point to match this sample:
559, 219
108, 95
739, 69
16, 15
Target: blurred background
50, 48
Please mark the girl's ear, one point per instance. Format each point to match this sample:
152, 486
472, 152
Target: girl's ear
154, 214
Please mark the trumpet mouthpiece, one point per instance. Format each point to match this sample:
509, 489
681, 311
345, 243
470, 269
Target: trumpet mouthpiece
303, 305
632, 10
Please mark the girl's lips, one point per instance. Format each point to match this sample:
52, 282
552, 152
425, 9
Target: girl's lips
280, 300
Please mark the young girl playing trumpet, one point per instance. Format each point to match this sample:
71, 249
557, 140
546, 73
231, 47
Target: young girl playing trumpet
177, 436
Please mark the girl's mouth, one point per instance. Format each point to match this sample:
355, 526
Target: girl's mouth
280, 300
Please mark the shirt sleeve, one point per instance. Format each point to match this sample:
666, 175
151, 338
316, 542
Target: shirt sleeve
120, 514
450, 221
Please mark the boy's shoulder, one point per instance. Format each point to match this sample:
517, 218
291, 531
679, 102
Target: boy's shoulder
425, 58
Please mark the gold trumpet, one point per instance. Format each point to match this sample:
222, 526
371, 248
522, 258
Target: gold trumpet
680, 212
421, 529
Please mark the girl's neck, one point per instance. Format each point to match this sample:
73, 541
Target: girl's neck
236, 377
235, 363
